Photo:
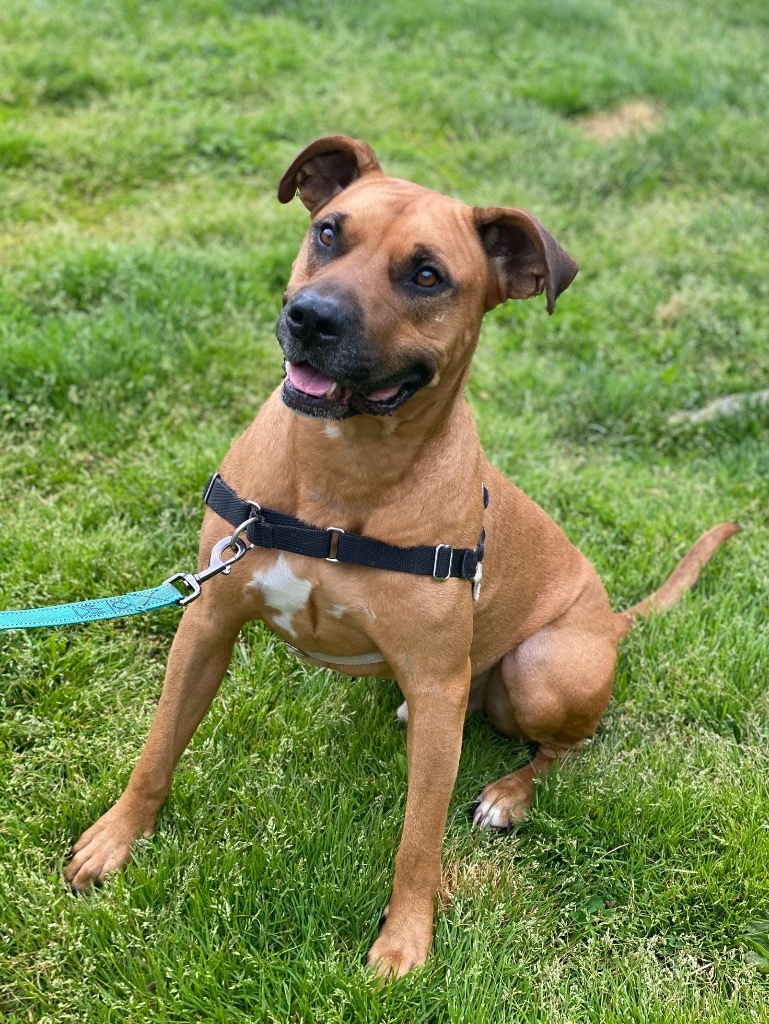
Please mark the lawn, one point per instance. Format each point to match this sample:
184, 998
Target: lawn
143, 255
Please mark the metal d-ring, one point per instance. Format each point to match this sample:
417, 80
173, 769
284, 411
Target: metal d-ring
258, 518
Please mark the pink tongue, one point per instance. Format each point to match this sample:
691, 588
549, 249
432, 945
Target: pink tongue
384, 394
308, 380
312, 382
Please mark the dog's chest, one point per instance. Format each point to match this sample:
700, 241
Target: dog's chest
315, 618
285, 594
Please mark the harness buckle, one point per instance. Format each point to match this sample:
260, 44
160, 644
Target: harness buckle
439, 548
334, 544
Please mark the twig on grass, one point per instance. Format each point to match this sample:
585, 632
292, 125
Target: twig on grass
727, 405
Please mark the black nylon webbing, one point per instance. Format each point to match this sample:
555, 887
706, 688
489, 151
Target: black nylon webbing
273, 529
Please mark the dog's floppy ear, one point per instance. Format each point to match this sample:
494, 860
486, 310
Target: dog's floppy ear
524, 258
325, 168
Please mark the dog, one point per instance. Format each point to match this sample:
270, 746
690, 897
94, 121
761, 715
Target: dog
370, 436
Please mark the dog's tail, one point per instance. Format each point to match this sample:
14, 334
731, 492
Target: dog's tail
681, 579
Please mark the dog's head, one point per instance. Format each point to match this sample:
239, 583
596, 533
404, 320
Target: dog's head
390, 286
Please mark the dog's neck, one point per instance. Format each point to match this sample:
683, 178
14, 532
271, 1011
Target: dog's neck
353, 466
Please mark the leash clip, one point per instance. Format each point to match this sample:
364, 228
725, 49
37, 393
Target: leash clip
216, 564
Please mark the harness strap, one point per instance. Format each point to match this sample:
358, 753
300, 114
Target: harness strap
339, 660
270, 529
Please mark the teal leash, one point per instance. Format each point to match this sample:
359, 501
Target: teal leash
179, 589
89, 611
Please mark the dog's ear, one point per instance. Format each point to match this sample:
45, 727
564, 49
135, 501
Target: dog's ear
325, 168
524, 258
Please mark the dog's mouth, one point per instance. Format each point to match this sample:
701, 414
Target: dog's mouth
309, 391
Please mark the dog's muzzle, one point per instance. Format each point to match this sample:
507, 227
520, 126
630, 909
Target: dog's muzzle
332, 371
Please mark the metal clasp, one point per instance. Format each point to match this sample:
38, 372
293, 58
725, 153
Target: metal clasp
334, 545
450, 549
216, 565
256, 518
477, 581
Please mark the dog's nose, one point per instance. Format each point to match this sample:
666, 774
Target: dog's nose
314, 317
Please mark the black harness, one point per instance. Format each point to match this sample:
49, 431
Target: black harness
267, 528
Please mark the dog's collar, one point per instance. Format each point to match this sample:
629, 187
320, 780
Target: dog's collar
270, 529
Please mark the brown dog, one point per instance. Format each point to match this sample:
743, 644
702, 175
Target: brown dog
370, 434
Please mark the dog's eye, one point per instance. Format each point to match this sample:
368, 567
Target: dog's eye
426, 278
327, 234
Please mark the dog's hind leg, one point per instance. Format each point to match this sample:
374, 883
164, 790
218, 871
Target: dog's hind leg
553, 690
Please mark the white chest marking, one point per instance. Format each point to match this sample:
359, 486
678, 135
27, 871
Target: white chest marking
284, 592
332, 430
338, 610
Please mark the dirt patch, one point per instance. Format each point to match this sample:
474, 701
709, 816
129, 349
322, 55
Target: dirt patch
672, 310
633, 117
462, 876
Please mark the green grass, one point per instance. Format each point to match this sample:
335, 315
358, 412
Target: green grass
142, 260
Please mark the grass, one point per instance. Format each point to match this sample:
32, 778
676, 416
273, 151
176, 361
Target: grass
143, 254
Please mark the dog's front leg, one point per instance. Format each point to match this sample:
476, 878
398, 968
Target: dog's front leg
436, 717
199, 657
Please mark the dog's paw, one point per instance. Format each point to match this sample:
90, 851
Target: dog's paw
503, 804
103, 849
396, 952
403, 712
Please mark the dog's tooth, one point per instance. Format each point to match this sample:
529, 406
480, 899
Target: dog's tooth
333, 388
